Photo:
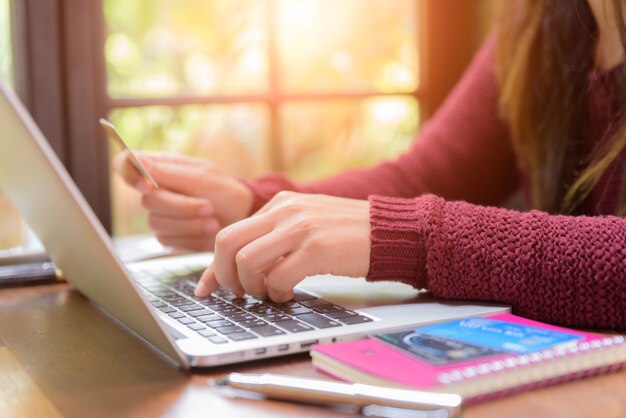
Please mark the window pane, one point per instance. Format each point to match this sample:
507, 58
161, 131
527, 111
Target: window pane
323, 138
6, 55
348, 45
12, 227
167, 47
233, 137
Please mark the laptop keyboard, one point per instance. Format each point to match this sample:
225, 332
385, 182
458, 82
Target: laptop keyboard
223, 317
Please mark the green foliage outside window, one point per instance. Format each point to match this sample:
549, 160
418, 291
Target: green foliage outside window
222, 48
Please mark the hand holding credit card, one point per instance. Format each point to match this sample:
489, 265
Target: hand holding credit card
115, 137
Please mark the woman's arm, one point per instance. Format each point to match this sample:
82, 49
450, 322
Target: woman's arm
560, 269
463, 152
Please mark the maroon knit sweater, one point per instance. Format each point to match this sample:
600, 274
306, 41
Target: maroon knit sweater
569, 270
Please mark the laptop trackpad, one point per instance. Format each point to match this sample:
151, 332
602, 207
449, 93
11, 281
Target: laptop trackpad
352, 293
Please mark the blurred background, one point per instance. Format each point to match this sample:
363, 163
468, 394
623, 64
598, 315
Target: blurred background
304, 87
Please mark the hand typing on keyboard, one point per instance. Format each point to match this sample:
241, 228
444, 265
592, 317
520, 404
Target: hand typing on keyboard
291, 237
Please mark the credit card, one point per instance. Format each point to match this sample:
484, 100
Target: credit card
115, 137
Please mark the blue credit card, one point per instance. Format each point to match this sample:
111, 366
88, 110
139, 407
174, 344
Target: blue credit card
473, 338
500, 335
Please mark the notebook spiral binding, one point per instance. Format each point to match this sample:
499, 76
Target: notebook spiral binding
488, 368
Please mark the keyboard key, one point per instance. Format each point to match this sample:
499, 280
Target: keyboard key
185, 320
188, 290
176, 315
174, 296
242, 301
299, 295
242, 317
326, 308
200, 312
230, 297
276, 317
207, 333
216, 306
250, 323
217, 324
240, 336
208, 318
190, 307
297, 310
158, 304
293, 326
281, 306
208, 299
267, 330
357, 319
258, 308
230, 311
317, 320
217, 340
322, 306
196, 327
167, 309
340, 314
203, 299
229, 330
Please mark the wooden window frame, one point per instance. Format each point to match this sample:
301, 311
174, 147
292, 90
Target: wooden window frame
61, 76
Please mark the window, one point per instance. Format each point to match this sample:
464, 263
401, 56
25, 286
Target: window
308, 87
12, 228
6, 53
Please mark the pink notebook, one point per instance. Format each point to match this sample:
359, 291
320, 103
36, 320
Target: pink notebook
479, 358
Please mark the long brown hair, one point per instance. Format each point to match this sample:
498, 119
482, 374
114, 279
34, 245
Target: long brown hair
545, 52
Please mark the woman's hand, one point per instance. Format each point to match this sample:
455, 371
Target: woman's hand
292, 237
194, 199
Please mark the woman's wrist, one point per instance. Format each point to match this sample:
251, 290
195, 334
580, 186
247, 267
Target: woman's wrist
264, 188
400, 229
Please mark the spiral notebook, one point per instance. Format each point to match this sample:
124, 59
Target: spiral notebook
479, 358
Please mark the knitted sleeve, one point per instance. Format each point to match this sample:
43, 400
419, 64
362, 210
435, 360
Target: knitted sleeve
463, 152
561, 269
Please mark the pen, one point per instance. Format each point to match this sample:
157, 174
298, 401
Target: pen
324, 392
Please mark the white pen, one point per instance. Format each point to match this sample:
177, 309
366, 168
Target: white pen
324, 392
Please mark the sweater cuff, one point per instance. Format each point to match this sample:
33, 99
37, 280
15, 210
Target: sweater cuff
400, 231
265, 188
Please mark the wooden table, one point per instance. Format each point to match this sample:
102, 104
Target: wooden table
61, 357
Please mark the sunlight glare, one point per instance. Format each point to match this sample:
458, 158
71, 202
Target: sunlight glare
200, 73
160, 84
396, 76
341, 61
301, 13
390, 111
122, 51
253, 61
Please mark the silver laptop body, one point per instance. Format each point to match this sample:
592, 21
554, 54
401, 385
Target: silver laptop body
42, 190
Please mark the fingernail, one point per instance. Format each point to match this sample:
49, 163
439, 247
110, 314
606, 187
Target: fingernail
205, 210
201, 289
143, 187
211, 227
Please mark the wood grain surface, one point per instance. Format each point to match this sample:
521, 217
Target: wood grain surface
59, 356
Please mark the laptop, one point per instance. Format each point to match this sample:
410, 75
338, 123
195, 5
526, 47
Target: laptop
154, 299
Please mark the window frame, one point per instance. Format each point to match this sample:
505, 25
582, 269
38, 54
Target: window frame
60, 74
